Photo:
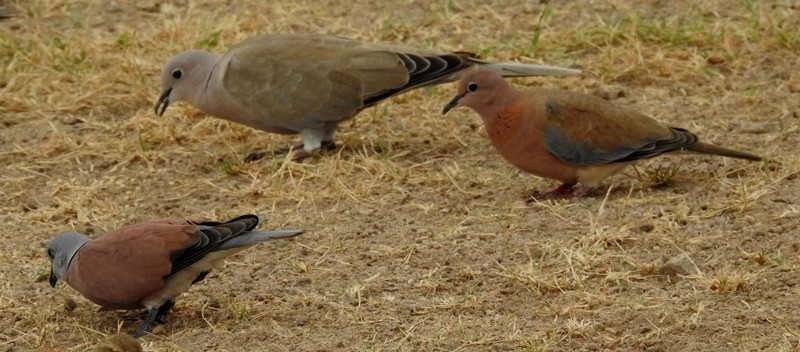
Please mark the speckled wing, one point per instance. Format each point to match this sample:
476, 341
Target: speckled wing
586, 130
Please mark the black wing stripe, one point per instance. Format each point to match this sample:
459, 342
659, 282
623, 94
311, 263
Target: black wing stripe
211, 235
428, 70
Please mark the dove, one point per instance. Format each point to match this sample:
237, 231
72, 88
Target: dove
309, 84
567, 136
147, 265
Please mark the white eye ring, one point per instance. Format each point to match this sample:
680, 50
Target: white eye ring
472, 87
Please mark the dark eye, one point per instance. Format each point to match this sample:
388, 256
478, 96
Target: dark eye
472, 87
51, 253
177, 74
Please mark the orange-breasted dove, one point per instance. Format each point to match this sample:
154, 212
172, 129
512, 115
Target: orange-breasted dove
567, 136
148, 264
309, 84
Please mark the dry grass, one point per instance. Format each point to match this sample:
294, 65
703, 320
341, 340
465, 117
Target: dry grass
418, 235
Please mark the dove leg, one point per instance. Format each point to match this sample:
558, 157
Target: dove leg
328, 143
160, 312
164, 310
301, 153
146, 322
328, 146
557, 193
564, 191
313, 141
327, 140
577, 192
134, 317
258, 155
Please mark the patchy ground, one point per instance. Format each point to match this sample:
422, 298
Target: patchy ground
418, 237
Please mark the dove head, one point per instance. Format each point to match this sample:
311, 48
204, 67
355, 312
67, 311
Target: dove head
184, 76
61, 250
480, 90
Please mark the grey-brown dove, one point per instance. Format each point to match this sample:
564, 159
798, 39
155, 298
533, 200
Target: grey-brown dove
148, 264
567, 136
309, 84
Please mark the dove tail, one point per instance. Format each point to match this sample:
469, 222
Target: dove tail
511, 69
250, 238
706, 148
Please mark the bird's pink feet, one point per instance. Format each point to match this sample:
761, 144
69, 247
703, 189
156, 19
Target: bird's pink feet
298, 153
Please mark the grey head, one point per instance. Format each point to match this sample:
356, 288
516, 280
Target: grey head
61, 250
184, 76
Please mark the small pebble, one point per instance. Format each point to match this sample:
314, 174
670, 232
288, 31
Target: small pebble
70, 305
680, 264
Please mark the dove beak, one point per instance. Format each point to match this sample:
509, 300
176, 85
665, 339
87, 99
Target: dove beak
53, 278
163, 99
452, 103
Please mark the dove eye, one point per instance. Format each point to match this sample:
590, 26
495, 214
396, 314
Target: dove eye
472, 87
177, 74
51, 254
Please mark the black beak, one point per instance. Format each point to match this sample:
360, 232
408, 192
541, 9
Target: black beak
452, 103
163, 99
53, 278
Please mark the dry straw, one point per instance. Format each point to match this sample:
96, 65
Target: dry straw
418, 237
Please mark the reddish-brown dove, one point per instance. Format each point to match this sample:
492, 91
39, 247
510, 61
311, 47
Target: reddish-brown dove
567, 136
309, 84
148, 264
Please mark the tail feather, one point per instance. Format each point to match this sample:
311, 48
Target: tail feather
706, 148
254, 237
512, 69
437, 69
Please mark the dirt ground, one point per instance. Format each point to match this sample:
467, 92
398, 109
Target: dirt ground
418, 237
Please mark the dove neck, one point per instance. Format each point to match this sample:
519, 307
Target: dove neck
502, 117
209, 81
